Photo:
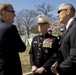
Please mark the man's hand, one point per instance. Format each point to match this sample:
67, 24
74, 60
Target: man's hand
40, 70
34, 68
53, 68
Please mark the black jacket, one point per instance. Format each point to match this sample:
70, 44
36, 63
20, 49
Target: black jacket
10, 46
67, 51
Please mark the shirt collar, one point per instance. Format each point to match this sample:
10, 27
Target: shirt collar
68, 23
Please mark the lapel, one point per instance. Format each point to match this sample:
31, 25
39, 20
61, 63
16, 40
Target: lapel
66, 31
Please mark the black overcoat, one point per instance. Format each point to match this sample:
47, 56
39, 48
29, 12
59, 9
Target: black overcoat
10, 46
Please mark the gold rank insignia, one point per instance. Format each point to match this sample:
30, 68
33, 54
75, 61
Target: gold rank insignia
46, 51
47, 43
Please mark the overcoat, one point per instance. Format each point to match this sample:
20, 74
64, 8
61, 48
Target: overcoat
67, 51
10, 46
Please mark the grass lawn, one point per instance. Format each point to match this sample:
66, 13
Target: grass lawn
25, 60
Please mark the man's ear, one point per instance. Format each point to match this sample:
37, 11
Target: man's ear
3, 13
68, 11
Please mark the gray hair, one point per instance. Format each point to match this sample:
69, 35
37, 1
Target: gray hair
67, 5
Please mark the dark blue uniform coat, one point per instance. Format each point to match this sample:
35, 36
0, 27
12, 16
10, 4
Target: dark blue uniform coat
43, 52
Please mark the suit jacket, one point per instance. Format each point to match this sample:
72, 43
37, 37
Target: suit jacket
67, 51
43, 52
10, 46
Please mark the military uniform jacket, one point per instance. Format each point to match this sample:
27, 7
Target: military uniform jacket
67, 51
10, 45
43, 51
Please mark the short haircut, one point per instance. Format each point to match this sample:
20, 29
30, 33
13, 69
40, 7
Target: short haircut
4, 6
66, 6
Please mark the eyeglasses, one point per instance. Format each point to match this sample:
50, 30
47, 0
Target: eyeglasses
61, 10
11, 11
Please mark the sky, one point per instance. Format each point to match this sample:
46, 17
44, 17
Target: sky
30, 4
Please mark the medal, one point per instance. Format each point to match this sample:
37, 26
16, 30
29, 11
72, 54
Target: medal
47, 43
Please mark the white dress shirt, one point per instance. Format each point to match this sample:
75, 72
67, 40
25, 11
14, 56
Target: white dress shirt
68, 23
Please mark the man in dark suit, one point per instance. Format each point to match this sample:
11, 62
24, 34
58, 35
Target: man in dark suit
44, 47
66, 63
10, 42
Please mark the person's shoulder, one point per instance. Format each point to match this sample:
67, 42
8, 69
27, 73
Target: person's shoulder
8, 25
54, 36
11, 26
36, 36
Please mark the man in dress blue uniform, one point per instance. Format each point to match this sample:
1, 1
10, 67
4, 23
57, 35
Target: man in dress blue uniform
44, 47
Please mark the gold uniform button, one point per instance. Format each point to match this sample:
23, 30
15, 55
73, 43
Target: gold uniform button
46, 51
39, 48
37, 57
40, 38
37, 60
38, 54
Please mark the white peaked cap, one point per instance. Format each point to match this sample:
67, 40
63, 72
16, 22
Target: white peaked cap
43, 19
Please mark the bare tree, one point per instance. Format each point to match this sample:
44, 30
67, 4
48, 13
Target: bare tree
19, 24
45, 9
26, 19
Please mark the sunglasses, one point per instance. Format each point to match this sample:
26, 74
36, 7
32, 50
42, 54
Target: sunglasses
11, 11
61, 10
